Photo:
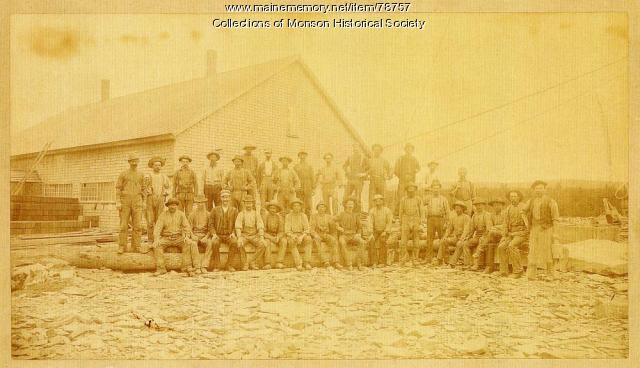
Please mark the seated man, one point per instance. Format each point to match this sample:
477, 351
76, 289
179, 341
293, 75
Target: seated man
250, 230
273, 230
173, 230
199, 220
222, 222
297, 230
380, 219
411, 216
487, 250
393, 241
349, 229
476, 235
321, 232
514, 236
457, 222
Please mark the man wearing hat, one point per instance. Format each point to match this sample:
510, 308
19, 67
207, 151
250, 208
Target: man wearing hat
406, 168
307, 181
322, 226
379, 172
239, 180
185, 184
543, 215
287, 183
431, 176
273, 230
438, 210
250, 230
329, 177
250, 161
173, 230
222, 222
476, 236
487, 251
212, 178
129, 193
199, 220
463, 190
157, 192
458, 222
380, 220
514, 236
411, 216
355, 168
349, 227
297, 230
266, 173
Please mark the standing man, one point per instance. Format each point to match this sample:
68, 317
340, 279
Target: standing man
129, 192
380, 220
476, 236
266, 173
251, 164
287, 183
297, 230
405, 169
494, 235
329, 178
239, 180
173, 230
431, 176
458, 222
321, 226
250, 230
212, 178
349, 229
273, 230
307, 181
515, 234
185, 185
464, 190
355, 168
543, 216
438, 211
158, 192
199, 221
222, 222
379, 172
411, 216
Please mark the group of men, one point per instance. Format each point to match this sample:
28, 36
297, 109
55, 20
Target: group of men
225, 213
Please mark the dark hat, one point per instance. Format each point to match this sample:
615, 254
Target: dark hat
350, 199
172, 201
294, 201
378, 196
285, 158
303, 152
225, 192
409, 144
320, 204
247, 198
538, 182
268, 150
433, 163
185, 157
272, 204
496, 200
133, 157
411, 185
213, 153
376, 145
519, 193
155, 159
249, 147
236, 157
461, 204
436, 182
200, 198
479, 201
328, 154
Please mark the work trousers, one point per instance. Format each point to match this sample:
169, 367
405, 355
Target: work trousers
229, 240
354, 190
435, 224
212, 192
378, 248
131, 209
188, 247
443, 247
236, 198
352, 243
285, 196
377, 185
486, 251
330, 197
267, 190
324, 241
470, 248
305, 195
186, 202
155, 207
509, 252
292, 243
262, 253
409, 228
205, 242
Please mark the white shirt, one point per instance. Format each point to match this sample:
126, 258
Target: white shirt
268, 168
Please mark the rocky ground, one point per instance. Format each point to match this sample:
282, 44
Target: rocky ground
420, 312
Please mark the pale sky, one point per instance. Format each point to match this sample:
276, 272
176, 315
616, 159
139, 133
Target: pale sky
390, 84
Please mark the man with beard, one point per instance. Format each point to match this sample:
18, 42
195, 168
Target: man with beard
266, 173
222, 221
515, 234
330, 178
487, 250
379, 172
406, 169
158, 191
543, 215
129, 192
212, 178
250, 230
307, 181
239, 181
199, 221
185, 185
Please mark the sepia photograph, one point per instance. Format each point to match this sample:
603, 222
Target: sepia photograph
319, 181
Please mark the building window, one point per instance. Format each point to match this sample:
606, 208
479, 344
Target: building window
57, 190
98, 192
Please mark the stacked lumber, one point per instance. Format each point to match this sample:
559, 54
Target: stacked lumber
35, 208
85, 237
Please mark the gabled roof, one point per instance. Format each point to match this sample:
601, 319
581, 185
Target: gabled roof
167, 110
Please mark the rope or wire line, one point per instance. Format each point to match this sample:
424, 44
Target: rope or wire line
507, 103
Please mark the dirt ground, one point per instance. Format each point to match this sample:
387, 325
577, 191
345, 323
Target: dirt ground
420, 312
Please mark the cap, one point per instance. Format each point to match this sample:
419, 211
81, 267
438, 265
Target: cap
378, 196
247, 198
155, 159
249, 147
185, 157
225, 193
213, 153
411, 185
236, 157
172, 201
294, 201
286, 158
273, 204
320, 204
133, 157
376, 145
479, 201
496, 200
538, 182
461, 204
328, 154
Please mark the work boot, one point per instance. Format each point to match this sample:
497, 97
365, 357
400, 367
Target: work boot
350, 268
266, 267
360, 268
198, 271
231, 269
299, 268
203, 270
504, 274
120, 249
245, 268
308, 266
326, 265
215, 270
160, 271
279, 266
338, 266
436, 262
475, 267
254, 266
516, 275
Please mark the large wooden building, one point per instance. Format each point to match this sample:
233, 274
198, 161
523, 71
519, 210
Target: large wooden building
277, 104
